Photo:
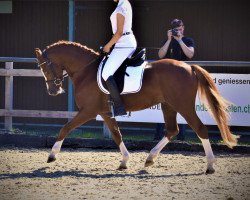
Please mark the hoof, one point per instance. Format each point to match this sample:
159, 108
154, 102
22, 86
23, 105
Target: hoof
210, 171
122, 167
51, 159
149, 163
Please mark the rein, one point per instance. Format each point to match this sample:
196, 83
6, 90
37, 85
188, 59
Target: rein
153, 48
58, 80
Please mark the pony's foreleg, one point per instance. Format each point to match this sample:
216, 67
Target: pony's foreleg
209, 154
116, 135
78, 120
125, 156
155, 151
55, 150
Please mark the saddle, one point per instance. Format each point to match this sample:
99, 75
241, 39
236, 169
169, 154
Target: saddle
137, 61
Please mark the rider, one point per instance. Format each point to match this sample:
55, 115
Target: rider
124, 46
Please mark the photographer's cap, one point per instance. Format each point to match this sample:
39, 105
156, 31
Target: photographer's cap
176, 23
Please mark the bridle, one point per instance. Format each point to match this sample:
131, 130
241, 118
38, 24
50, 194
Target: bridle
57, 80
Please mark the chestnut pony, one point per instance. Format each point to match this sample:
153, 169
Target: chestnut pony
172, 83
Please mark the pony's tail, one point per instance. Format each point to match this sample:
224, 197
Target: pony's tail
217, 104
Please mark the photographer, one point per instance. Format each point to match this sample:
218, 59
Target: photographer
177, 47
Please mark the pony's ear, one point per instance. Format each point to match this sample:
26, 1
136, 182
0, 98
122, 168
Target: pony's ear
38, 53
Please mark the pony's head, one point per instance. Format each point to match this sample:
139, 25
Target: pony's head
53, 74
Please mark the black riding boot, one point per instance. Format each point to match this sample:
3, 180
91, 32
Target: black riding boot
115, 95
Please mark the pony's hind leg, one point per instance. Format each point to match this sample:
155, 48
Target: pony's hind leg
116, 135
78, 120
172, 130
201, 130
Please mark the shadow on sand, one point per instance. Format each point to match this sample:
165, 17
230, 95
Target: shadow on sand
41, 173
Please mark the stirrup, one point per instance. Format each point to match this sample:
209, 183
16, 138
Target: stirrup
115, 111
120, 111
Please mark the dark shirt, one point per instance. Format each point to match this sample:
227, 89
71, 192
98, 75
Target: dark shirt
175, 51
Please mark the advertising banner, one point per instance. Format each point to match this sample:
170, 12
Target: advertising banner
233, 87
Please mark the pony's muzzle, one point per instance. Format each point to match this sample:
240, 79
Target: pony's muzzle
53, 91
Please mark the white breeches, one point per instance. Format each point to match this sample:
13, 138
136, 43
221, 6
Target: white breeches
116, 58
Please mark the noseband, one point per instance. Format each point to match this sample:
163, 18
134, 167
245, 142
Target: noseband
57, 80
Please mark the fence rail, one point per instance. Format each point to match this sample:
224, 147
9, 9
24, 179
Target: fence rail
202, 63
37, 113
9, 72
17, 59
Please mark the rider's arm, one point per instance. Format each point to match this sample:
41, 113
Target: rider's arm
120, 24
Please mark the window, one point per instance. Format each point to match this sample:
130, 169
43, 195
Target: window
5, 7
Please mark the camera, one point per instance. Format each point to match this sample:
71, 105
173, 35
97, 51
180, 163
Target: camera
174, 32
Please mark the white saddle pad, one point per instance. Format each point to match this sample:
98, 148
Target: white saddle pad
132, 83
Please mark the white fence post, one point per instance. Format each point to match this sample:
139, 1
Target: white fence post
8, 96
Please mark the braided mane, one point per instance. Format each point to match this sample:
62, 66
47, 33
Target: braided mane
72, 44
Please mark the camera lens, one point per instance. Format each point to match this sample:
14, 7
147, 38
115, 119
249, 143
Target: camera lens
174, 32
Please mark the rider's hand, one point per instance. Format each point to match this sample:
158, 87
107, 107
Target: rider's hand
106, 48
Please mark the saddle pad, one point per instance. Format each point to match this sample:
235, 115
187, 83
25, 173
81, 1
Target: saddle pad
132, 81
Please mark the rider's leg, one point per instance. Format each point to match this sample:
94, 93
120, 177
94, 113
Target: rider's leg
114, 92
116, 58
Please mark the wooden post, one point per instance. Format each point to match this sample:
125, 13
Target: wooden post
8, 96
71, 22
106, 131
